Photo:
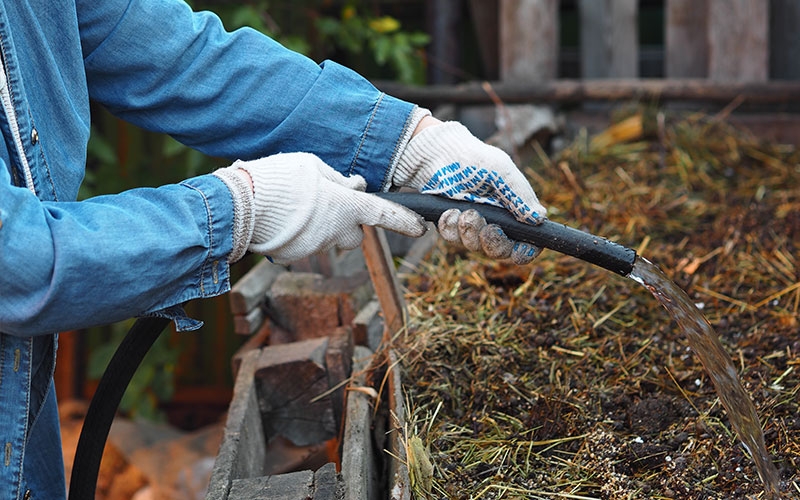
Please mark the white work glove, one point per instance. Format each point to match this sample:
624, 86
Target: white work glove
300, 206
447, 160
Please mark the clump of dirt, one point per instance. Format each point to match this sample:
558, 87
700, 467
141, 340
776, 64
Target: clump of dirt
561, 380
651, 415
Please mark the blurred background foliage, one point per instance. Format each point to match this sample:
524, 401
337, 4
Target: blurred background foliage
121, 156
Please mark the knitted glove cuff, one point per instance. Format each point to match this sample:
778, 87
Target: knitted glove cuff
416, 116
244, 216
431, 146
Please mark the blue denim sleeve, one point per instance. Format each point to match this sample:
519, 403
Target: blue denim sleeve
236, 95
105, 253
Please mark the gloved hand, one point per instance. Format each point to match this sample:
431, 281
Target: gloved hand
299, 206
447, 160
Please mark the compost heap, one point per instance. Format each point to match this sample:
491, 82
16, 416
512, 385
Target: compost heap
562, 380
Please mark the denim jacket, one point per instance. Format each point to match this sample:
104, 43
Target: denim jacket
67, 264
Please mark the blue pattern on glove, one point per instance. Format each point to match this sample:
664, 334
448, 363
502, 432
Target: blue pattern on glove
479, 185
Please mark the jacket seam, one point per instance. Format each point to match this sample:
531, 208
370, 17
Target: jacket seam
44, 159
27, 413
2, 356
210, 237
110, 33
364, 134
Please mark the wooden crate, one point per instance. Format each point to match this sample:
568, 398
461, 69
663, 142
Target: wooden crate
293, 422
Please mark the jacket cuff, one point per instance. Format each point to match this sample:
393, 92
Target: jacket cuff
214, 276
382, 141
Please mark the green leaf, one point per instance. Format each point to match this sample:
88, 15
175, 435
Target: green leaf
99, 359
247, 15
382, 48
297, 44
171, 147
99, 148
419, 39
328, 26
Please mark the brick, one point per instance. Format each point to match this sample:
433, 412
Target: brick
308, 305
250, 290
288, 379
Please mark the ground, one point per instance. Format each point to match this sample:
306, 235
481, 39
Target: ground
562, 380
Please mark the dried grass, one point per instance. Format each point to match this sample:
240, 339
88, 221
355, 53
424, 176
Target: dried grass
561, 380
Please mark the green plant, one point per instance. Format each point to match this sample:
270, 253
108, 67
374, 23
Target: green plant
153, 381
382, 37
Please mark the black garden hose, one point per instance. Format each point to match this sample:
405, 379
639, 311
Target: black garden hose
103, 407
548, 234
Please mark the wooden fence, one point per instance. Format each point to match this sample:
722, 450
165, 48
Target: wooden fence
719, 41
722, 40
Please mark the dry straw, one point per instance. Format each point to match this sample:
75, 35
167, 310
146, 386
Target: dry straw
560, 380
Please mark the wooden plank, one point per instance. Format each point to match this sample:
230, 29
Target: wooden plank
301, 485
738, 40
292, 486
609, 38
444, 49
486, 23
255, 342
358, 455
784, 39
327, 485
686, 38
398, 470
528, 40
339, 363
366, 319
250, 290
571, 91
384, 279
243, 447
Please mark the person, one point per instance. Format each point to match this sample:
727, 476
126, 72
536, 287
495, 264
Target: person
310, 142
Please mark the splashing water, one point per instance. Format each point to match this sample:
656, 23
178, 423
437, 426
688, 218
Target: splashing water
704, 342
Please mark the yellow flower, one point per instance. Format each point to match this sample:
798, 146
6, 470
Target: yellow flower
385, 24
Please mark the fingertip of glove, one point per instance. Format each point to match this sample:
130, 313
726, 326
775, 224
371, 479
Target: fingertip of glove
395, 217
447, 226
524, 253
495, 243
414, 226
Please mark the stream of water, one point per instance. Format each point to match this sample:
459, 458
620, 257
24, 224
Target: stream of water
704, 342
